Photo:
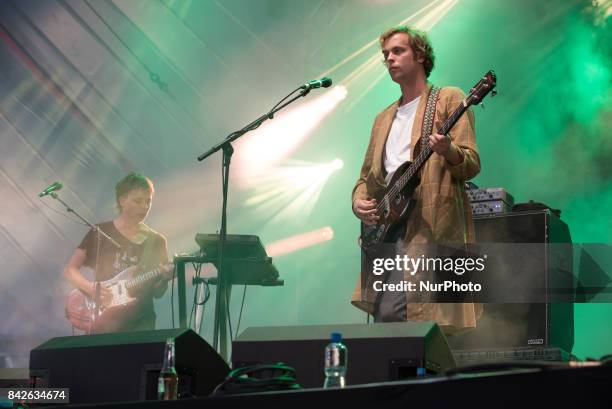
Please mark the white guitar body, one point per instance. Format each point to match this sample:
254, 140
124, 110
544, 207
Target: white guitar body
81, 309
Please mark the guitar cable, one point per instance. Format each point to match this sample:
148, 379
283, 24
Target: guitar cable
258, 378
203, 304
172, 295
198, 269
241, 307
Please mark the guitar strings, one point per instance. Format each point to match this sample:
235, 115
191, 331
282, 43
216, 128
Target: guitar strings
403, 179
401, 182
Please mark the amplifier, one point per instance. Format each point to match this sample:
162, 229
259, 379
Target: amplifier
491, 193
544, 324
470, 357
493, 206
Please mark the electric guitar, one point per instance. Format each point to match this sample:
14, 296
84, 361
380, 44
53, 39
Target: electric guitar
397, 202
80, 307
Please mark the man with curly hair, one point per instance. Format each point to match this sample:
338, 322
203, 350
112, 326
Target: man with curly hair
442, 213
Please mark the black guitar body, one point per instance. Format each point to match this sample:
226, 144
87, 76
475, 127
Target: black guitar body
394, 209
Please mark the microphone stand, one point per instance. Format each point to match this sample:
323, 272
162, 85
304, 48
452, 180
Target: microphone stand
221, 294
99, 232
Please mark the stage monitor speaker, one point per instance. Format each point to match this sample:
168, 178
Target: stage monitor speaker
547, 324
376, 352
125, 366
14, 378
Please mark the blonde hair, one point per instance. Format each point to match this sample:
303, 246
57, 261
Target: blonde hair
418, 41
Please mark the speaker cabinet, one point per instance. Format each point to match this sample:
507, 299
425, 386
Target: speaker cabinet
544, 324
125, 366
14, 378
376, 352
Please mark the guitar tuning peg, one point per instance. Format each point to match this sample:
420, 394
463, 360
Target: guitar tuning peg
482, 105
493, 93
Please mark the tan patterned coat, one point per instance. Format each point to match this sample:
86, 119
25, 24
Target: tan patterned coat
442, 213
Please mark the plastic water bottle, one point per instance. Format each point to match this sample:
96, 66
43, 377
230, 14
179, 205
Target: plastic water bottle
336, 356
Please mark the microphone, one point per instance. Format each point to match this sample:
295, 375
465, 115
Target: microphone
324, 82
55, 186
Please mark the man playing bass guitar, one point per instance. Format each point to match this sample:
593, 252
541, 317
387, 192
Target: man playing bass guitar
441, 212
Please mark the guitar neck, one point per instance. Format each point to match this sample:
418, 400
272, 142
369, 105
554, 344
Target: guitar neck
143, 279
426, 151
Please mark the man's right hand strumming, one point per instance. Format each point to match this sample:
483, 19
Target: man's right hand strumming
105, 295
365, 210
75, 277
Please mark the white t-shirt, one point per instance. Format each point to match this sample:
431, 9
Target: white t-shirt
397, 148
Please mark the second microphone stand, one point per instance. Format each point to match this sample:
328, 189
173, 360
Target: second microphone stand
99, 233
223, 287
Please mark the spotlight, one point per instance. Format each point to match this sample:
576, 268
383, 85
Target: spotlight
290, 191
277, 139
300, 241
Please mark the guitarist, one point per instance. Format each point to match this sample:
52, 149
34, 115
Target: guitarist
138, 245
442, 213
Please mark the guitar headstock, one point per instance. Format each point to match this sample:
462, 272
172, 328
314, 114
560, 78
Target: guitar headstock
482, 88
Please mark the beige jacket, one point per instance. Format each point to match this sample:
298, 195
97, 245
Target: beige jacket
442, 213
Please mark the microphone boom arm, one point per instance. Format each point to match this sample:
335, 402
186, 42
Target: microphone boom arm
253, 125
84, 220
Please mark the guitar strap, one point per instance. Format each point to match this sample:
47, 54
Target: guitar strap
149, 260
430, 114
145, 261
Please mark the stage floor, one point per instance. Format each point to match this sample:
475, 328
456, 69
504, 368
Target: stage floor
518, 388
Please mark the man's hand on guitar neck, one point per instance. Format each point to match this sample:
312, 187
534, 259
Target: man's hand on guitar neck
167, 273
442, 145
167, 270
366, 211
